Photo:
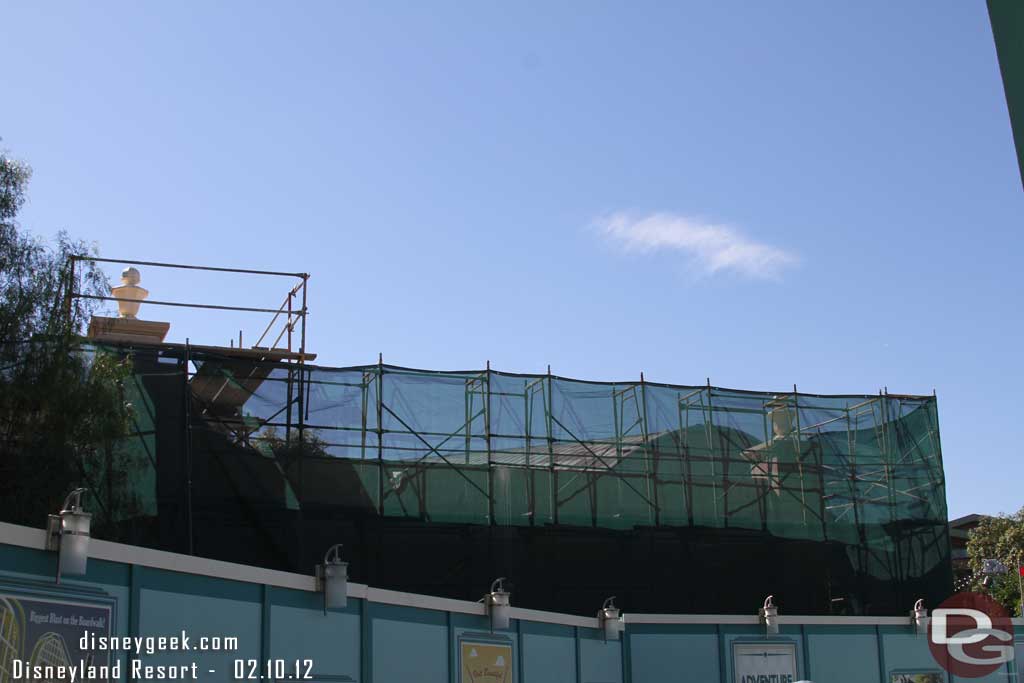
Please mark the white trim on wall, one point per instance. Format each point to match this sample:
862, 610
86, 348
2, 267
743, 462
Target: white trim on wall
541, 616
26, 537
785, 620
691, 619
749, 619
387, 597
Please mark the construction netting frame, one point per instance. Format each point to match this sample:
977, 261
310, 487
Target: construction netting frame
487, 447
493, 448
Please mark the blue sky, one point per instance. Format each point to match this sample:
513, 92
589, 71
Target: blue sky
761, 193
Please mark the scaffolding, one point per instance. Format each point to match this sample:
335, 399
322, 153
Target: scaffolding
486, 447
256, 455
218, 381
222, 387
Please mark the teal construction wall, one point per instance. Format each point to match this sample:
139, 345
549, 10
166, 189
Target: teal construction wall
387, 643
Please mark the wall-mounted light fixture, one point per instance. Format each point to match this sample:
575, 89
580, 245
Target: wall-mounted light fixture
919, 617
769, 614
610, 619
498, 604
67, 532
332, 579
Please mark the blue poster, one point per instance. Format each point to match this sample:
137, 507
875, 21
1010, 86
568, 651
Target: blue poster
45, 632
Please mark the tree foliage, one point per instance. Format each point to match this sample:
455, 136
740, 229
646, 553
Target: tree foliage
999, 538
61, 406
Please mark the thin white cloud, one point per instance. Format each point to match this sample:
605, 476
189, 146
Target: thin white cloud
711, 248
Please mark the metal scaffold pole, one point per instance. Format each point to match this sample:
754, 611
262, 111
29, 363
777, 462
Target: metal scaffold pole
487, 437
651, 458
551, 448
380, 433
187, 391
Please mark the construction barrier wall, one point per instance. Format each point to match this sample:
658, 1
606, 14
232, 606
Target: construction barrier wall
388, 637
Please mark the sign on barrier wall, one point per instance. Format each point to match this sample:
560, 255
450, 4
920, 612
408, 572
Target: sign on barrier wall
485, 660
38, 631
764, 662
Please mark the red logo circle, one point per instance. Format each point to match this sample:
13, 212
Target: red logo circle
970, 635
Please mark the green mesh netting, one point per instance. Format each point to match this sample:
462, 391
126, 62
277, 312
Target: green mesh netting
493, 448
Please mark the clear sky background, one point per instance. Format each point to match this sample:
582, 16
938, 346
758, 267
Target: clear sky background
763, 193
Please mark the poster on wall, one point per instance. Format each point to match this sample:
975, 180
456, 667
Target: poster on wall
917, 677
483, 660
40, 631
764, 662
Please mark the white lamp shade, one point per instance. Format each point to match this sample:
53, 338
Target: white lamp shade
336, 584
500, 616
769, 614
499, 608
611, 622
74, 542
